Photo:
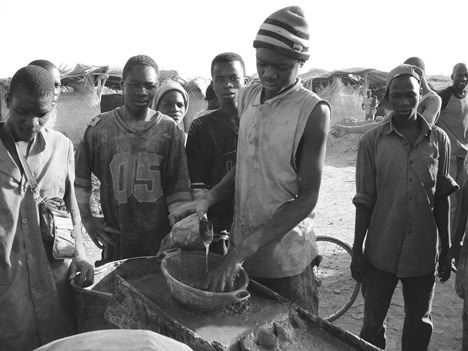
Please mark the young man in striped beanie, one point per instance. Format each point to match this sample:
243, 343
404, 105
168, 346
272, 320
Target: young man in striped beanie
281, 150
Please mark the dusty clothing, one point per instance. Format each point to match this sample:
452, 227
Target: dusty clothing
266, 177
377, 288
34, 301
142, 173
211, 153
116, 340
399, 184
300, 289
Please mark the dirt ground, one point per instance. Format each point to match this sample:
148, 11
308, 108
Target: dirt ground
335, 217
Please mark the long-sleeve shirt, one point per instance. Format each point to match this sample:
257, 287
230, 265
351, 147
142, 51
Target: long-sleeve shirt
34, 305
399, 183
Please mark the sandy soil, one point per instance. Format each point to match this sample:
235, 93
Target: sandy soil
335, 217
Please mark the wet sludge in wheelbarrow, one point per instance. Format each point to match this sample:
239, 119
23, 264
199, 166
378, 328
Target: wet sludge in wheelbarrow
141, 300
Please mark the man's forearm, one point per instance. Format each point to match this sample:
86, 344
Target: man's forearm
363, 215
224, 189
82, 197
442, 215
285, 218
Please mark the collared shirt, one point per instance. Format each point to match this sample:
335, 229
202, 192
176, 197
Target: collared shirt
399, 183
31, 288
211, 153
266, 177
142, 173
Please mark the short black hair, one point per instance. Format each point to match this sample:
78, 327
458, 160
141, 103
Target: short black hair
33, 80
416, 61
47, 65
139, 60
227, 57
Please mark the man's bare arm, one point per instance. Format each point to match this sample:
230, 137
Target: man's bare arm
442, 215
83, 195
222, 190
431, 109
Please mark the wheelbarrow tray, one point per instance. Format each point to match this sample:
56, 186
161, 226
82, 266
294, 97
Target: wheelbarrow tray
133, 295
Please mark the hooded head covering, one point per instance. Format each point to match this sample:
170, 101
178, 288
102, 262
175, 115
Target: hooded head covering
168, 86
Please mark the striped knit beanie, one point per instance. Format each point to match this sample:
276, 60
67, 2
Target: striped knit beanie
287, 31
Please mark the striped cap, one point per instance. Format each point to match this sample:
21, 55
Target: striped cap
285, 30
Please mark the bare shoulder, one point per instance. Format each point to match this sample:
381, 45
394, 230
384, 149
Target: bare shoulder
431, 99
319, 119
321, 110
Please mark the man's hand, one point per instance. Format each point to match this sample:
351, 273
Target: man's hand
82, 271
461, 276
444, 266
98, 232
199, 206
223, 277
338, 131
96, 229
455, 252
358, 263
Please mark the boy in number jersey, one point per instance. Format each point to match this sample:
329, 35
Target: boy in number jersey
138, 155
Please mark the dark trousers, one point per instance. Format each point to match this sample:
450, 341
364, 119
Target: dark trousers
301, 289
378, 288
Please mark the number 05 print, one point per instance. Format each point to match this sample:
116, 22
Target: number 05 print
138, 175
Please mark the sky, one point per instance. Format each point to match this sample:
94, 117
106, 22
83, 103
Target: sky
185, 35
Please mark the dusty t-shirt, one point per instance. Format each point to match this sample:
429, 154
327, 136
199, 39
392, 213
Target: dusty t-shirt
142, 172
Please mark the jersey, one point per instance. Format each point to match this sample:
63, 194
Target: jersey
142, 172
211, 153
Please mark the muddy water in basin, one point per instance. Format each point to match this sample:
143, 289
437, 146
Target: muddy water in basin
223, 326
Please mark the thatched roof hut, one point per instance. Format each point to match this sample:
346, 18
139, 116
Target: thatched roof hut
79, 101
